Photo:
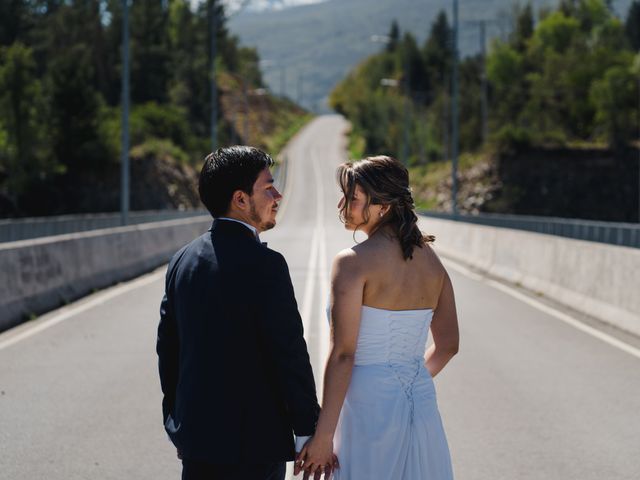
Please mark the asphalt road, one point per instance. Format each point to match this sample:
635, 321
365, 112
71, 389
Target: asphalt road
527, 397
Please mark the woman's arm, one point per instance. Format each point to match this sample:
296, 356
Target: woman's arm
347, 287
444, 328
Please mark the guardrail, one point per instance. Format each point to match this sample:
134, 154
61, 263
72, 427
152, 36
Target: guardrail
12, 230
41, 274
613, 233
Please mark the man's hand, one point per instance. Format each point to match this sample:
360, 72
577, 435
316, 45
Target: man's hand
297, 465
327, 470
316, 458
179, 453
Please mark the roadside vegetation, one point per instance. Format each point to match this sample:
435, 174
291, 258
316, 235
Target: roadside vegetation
60, 103
564, 79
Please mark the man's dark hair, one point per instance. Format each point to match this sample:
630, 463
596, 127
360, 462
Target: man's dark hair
227, 170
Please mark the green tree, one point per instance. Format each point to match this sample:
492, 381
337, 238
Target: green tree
249, 66
615, 96
76, 113
165, 122
506, 73
555, 33
15, 20
410, 63
591, 13
188, 86
111, 51
632, 25
149, 51
437, 51
22, 154
394, 36
523, 28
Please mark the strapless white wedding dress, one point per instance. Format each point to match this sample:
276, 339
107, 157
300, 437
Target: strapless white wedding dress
390, 427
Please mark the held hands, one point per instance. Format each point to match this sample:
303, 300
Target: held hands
316, 458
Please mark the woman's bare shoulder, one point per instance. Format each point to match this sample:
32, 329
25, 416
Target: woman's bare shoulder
347, 259
372, 251
431, 256
357, 259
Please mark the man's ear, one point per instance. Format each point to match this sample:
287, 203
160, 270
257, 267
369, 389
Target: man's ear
239, 200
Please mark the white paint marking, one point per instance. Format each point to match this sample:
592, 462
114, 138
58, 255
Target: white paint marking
594, 332
13, 336
324, 331
310, 284
286, 189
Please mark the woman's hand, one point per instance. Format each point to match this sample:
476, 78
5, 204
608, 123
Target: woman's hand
317, 458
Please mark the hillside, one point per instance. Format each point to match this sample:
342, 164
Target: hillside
60, 104
163, 176
322, 42
561, 127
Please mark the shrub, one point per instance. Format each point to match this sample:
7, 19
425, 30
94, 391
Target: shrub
512, 139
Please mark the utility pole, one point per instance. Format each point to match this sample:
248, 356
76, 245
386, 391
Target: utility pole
422, 127
485, 94
234, 130
283, 80
246, 112
445, 119
407, 94
213, 23
406, 139
124, 154
299, 92
454, 115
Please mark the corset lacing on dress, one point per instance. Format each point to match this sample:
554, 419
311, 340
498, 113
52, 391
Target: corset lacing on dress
397, 339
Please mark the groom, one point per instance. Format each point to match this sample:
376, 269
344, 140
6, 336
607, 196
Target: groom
234, 367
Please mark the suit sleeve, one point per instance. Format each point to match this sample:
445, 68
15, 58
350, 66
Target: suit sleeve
167, 347
281, 326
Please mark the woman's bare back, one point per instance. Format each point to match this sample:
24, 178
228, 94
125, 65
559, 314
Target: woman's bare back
393, 283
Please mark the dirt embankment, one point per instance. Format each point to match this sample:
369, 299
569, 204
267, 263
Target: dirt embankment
587, 183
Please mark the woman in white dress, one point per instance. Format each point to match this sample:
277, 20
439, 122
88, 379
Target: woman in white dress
379, 412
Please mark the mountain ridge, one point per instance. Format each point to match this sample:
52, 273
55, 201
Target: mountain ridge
308, 49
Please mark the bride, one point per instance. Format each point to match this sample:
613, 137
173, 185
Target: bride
379, 413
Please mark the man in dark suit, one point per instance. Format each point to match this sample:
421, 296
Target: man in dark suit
234, 367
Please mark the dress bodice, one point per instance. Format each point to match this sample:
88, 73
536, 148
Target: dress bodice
389, 426
393, 337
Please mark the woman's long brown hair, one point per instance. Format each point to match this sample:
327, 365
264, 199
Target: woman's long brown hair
385, 181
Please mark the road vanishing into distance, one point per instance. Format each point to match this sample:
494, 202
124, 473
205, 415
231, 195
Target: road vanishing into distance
527, 397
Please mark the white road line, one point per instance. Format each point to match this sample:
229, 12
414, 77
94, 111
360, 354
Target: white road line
310, 284
13, 336
316, 270
594, 332
324, 331
286, 189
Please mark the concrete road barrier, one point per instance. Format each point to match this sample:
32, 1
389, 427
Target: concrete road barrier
594, 278
41, 274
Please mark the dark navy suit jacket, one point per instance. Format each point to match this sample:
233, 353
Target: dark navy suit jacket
234, 367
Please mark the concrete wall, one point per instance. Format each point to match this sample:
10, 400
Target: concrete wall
41, 274
594, 278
